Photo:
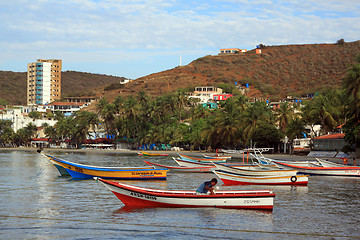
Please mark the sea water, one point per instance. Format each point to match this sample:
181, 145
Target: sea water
36, 203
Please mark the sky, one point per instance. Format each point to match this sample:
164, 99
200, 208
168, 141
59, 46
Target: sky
135, 38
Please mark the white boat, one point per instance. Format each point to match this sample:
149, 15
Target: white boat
196, 169
138, 197
326, 163
237, 179
186, 163
201, 160
228, 157
255, 172
330, 171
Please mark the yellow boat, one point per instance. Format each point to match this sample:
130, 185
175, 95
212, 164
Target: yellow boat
82, 171
147, 154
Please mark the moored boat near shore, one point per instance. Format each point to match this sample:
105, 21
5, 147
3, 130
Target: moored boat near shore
133, 196
81, 171
255, 172
195, 169
148, 154
229, 178
201, 160
329, 171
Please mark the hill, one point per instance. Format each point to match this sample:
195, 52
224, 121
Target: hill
275, 73
13, 85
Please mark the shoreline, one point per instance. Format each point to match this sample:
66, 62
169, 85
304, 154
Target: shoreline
237, 156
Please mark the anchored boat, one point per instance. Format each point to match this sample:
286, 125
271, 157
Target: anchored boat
229, 178
133, 196
82, 171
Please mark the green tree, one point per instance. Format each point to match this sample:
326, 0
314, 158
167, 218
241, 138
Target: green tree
283, 115
351, 85
253, 116
35, 115
266, 135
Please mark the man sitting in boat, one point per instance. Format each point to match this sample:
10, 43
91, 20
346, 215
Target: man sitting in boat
207, 186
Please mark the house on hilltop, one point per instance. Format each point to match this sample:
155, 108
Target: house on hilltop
232, 50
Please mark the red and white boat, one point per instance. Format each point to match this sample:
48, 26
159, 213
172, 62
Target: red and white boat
133, 196
196, 169
229, 178
330, 171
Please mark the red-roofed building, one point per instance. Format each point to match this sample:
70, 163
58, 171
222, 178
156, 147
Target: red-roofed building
330, 142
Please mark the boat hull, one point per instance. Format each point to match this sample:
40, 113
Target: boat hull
235, 179
133, 196
81, 171
202, 160
255, 172
327, 171
62, 170
146, 154
197, 169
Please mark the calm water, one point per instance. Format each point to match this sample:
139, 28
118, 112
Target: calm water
35, 203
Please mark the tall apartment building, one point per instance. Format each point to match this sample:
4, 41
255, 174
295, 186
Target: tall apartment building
44, 81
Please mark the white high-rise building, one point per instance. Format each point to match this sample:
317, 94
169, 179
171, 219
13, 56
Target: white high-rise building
44, 81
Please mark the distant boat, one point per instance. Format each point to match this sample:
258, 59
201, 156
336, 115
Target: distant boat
147, 154
201, 160
188, 163
81, 171
228, 157
133, 196
195, 169
330, 171
229, 178
256, 172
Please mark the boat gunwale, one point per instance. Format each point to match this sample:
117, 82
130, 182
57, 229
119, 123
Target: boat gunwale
98, 168
319, 168
190, 194
179, 167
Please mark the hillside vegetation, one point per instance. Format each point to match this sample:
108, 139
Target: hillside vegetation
13, 85
275, 73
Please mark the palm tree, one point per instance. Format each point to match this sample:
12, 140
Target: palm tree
180, 100
321, 111
107, 113
283, 115
253, 116
351, 84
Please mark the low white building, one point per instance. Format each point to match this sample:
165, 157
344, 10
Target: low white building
19, 117
205, 94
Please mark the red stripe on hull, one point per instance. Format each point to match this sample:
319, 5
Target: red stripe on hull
142, 203
231, 182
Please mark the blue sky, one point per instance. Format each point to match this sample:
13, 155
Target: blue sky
136, 38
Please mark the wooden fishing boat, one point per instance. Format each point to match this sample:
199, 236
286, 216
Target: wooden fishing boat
201, 160
326, 163
187, 163
229, 178
330, 171
147, 154
196, 169
62, 170
228, 157
255, 172
133, 196
82, 171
